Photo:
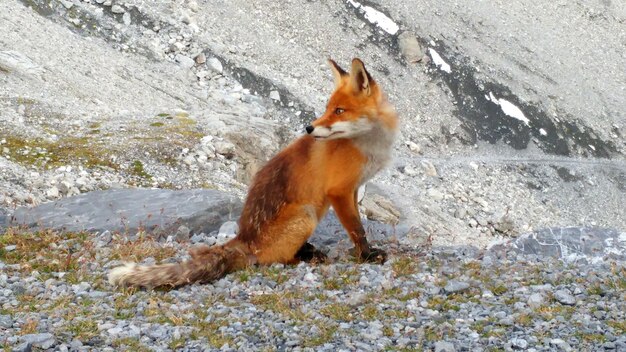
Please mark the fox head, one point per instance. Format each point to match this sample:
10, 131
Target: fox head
354, 108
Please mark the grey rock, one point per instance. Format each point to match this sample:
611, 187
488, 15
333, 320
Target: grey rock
117, 9
565, 297
274, 95
98, 294
76, 344
560, 344
410, 47
44, 340
454, 286
116, 331
6, 321
429, 168
444, 346
185, 61
18, 62
4, 219
67, 4
569, 243
182, 233
229, 228
381, 209
129, 210
200, 58
435, 194
104, 239
535, 300
460, 213
23, 347
197, 238
126, 18
215, 65
610, 345
519, 343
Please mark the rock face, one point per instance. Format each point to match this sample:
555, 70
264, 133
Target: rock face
129, 210
571, 244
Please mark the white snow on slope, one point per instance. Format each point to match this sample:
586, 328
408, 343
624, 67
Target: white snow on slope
439, 61
509, 108
376, 17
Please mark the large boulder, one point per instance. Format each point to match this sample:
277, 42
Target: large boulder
571, 244
130, 210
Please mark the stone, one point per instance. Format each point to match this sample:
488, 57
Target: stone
409, 170
565, 297
104, 239
117, 9
444, 346
229, 228
185, 61
435, 194
200, 58
414, 147
560, 344
43, 341
429, 168
18, 62
274, 95
129, 210
410, 47
126, 18
215, 65
519, 343
182, 233
378, 208
23, 347
454, 286
535, 300
570, 244
53, 192
67, 4
460, 213
6, 321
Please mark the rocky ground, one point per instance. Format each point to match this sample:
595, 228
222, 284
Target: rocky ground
55, 296
511, 125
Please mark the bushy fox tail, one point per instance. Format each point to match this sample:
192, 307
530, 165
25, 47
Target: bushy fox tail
207, 264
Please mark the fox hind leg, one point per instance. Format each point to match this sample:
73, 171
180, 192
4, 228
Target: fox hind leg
282, 240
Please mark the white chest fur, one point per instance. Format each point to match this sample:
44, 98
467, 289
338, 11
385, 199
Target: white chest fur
376, 145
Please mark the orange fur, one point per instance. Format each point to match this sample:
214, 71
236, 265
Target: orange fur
345, 147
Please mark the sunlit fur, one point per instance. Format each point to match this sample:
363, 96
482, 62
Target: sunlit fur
294, 190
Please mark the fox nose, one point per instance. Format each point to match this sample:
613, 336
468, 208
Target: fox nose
309, 129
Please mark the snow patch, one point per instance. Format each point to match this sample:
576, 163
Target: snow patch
376, 17
439, 62
509, 109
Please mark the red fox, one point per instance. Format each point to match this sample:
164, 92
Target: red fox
342, 149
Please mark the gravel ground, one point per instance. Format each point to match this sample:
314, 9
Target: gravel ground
55, 297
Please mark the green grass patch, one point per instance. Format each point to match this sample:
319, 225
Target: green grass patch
50, 154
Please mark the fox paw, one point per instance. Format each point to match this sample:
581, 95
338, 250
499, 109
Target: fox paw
308, 253
374, 255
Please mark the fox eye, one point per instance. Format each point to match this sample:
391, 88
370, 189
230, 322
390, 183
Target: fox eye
339, 111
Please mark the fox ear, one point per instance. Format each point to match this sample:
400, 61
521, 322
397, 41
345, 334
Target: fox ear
360, 78
338, 72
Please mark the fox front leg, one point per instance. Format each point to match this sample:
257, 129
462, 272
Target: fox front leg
346, 209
